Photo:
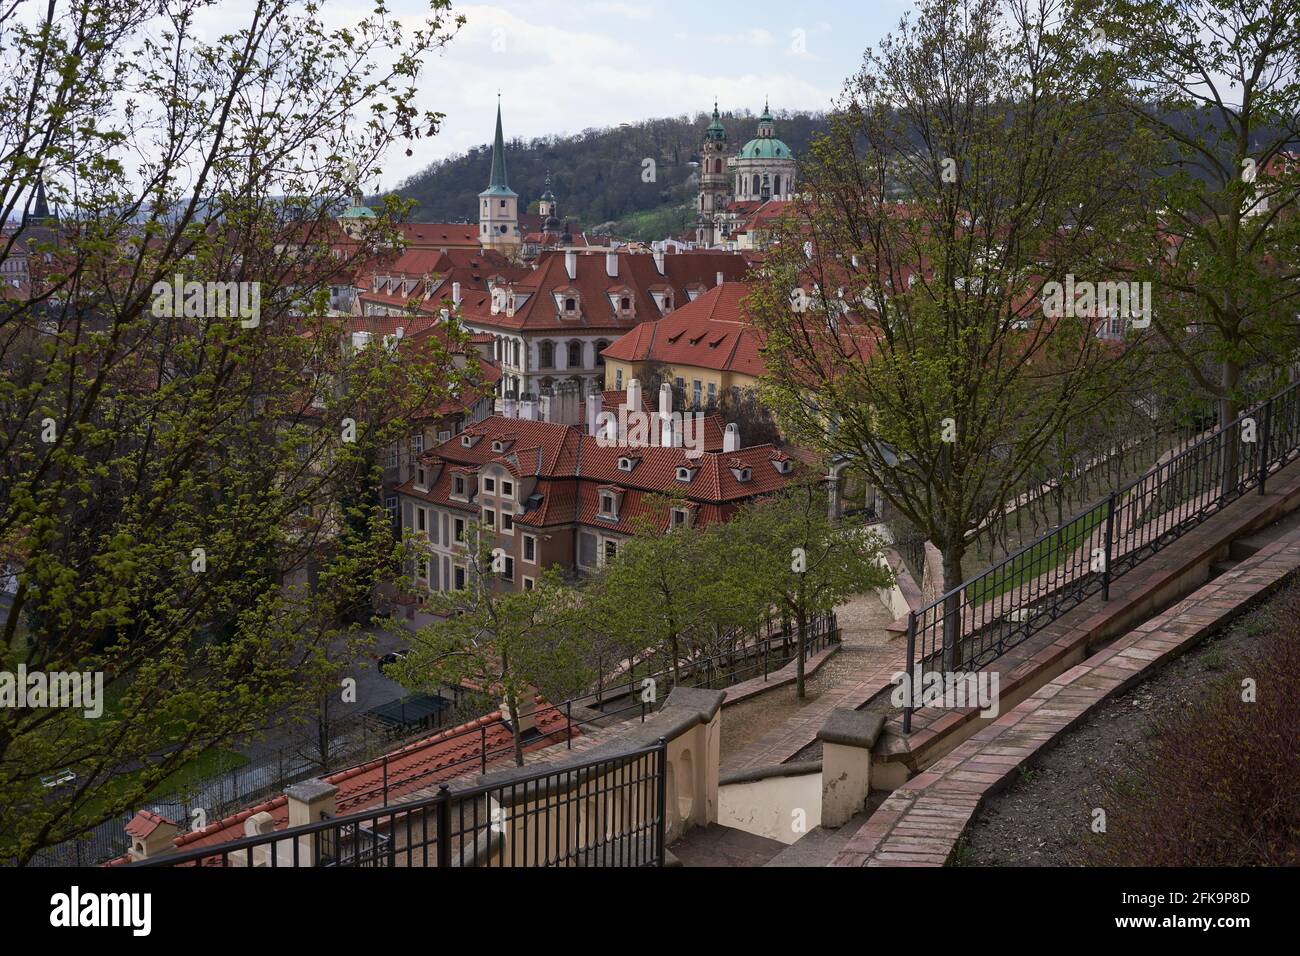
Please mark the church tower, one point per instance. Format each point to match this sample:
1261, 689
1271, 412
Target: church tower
498, 211
714, 181
546, 208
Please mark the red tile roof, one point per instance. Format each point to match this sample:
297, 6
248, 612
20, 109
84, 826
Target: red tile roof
639, 273
712, 332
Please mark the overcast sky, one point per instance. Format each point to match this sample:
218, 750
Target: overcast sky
562, 66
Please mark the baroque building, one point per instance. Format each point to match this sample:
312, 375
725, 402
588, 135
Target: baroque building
762, 171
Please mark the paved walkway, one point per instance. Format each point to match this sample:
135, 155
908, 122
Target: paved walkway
921, 821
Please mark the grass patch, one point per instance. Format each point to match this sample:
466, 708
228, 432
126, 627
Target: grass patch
1047, 555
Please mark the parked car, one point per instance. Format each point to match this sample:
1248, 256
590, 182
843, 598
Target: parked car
392, 657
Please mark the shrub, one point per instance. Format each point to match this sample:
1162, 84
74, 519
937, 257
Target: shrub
1219, 784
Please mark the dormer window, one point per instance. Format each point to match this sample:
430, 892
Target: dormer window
570, 304
680, 517
421, 477
458, 485
608, 505
783, 466
685, 474
742, 474
498, 446
625, 304
627, 463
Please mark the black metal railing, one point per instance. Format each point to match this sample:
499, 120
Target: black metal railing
981, 619
602, 812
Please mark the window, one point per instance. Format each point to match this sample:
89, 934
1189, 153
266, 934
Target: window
681, 384
546, 355
421, 519
528, 584
618, 378
460, 530
757, 188
625, 303
600, 347
611, 551
696, 389
459, 484
607, 503
586, 549
467, 441
460, 578
444, 436
390, 456
776, 185
507, 489
508, 572
417, 444
390, 505
575, 355
489, 484
507, 522
421, 479
489, 517
680, 516
713, 392
530, 549
683, 474
570, 304
626, 464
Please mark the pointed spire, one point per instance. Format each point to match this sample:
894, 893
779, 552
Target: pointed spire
499, 177
42, 210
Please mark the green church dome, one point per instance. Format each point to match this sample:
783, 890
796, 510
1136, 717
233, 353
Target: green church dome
765, 148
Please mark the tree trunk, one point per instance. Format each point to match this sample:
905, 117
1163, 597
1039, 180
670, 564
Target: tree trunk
1229, 409
512, 704
952, 629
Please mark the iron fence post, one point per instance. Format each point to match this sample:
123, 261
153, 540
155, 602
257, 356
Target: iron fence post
1264, 443
482, 747
568, 716
444, 826
385, 779
661, 825
911, 671
1110, 538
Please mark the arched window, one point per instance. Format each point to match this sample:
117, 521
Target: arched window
570, 304
575, 355
600, 347
776, 185
757, 187
717, 165
546, 355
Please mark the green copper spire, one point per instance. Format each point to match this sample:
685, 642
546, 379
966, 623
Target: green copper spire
500, 184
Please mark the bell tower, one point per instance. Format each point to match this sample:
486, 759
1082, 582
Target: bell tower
714, 181
498, 205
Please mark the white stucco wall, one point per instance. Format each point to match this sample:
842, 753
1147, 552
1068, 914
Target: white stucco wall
767, 808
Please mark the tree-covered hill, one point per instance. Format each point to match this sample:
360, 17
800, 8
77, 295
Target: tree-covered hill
597, 175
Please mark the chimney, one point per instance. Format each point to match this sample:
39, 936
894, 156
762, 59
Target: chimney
527, 710
400, 331
508, 407
571, 264
455, 293
665, 400
595, 405
528, 410
544, 408
720, 280
671, 438
731, 438
633, 395
659, 261
444, 315
611, 264
151, 835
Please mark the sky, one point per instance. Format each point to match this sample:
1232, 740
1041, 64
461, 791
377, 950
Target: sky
562, 66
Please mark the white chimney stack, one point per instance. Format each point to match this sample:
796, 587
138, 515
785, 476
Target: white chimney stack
508, 407
634, 395
571, 264
665, 399
445, 315
528, 410
595, 405
720, 280
731, 438
455, 293
659, 261
668, 439
611, 264
400, 331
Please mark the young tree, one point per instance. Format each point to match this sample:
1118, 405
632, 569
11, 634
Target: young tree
175, 469
788, 551
1216, 84
508, 643
970, 165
